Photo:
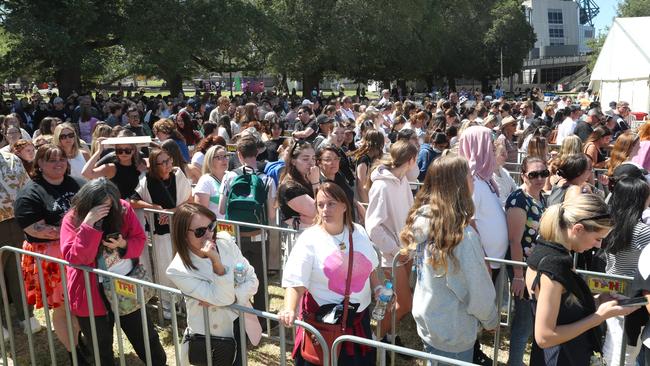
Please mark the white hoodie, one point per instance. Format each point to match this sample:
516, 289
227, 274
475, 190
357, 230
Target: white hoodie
389, 202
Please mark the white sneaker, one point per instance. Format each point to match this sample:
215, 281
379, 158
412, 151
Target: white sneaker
34, 324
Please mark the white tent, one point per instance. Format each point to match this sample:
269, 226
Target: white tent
622, 71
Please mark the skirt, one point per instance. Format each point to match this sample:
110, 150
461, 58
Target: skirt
51, 275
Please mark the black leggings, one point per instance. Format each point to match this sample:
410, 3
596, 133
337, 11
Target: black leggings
132, 327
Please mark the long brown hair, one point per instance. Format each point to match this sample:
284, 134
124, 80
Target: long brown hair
290, 174
181, 221
451, 210
621, 151
401, 152
372, 145
335, 192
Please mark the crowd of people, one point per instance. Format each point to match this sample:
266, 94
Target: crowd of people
340, 171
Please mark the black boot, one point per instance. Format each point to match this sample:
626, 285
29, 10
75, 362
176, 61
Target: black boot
480, 358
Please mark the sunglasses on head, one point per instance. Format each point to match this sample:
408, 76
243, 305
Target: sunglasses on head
64, 136
595, 218
123, 151
537, 174
199, 232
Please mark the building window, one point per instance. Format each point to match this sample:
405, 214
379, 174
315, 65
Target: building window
589, 33
556, 32
555, 16
557, 42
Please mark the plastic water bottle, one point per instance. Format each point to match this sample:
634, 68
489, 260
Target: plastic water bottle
240, 274
384, 298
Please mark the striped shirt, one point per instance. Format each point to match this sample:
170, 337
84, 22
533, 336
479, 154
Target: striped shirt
624, 262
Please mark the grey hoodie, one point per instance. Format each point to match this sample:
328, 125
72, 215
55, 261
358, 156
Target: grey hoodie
449, 308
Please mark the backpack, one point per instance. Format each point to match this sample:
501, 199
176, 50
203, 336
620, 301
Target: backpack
247, 199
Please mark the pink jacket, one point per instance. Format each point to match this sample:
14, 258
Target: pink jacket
79, 245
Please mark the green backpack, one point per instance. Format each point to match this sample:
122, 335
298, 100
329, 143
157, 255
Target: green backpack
247, 199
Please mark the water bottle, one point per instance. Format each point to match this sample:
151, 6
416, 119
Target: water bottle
240, 273
384, 298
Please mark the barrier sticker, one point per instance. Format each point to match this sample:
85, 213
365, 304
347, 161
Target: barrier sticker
229, 228
231, 148
605, 285
125, 288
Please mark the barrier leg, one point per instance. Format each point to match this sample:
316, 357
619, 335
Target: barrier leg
154, 274
208, 344
23, 299
68, 316
145, 327
118, 324
177, 350
497, 333
242, 337
91, 317
46, 311
265, 276
283, 345
5, 300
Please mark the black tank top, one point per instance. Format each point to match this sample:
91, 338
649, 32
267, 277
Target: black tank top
126, 179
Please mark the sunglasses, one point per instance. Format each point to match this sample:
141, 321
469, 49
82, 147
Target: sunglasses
65, 136
538, 174
125, 151
199, 232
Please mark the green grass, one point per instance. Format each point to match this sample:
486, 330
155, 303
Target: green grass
265, 354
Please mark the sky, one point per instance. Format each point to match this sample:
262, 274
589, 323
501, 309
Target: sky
606, 15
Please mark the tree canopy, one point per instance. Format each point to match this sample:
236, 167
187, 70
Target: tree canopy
83, 43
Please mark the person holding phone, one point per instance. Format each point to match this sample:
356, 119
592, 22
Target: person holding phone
566, 315
100, 224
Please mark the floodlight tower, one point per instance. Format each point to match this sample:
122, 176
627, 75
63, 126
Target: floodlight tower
588, 11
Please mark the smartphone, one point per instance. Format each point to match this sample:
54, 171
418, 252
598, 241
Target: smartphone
635, 301
112, 236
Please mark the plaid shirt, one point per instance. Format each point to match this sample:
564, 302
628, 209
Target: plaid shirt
13, 178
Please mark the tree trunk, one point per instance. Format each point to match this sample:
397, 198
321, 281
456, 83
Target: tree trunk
385, 84
284, 84
452, 83
68, 79
174, 83
309, 82
484, 85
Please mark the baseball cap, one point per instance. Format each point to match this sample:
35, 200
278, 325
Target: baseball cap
307, 102
323, 118
58, 100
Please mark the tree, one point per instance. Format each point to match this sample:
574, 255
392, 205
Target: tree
56, 38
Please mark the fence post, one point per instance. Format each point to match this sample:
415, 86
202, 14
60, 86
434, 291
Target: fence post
145, 326
91, 317
501, 282
5, 300
265, 277
23, 298
68, 316
46, 311
242, 337
154, 275
208, 344
177, 351
115, 304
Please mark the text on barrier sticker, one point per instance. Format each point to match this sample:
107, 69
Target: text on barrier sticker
125, 288
229, 228
604, 285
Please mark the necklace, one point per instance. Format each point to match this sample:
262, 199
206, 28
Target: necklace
341, 241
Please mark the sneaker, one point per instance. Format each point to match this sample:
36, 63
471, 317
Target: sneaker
34, 325
480, 358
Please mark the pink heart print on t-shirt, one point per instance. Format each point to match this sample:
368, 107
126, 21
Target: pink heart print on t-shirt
336, 271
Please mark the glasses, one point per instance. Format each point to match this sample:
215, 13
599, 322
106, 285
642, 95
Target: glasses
595, 218
220, 157
65, 136
538, 174
164, 162
199, 232
123, 151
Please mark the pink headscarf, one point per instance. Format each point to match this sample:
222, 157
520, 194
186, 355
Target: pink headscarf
475, 145
642, 158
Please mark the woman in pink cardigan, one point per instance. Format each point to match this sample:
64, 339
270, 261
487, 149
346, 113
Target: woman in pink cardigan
98, 224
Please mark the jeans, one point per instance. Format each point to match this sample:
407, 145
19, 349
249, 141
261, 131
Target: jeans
466, 356
522, 328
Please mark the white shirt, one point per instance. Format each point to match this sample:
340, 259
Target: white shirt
565, 129
207, 184
506, 185
197, 159
347, 113
490, 221
317, 263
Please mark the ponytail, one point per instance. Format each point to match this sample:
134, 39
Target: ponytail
401, 152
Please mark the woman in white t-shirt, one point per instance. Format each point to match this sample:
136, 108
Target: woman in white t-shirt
317, 269
206, 191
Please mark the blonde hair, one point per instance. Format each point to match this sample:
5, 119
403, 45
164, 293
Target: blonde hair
401, 152
570, 145
57, 133
587, 209
209, 156
451, 209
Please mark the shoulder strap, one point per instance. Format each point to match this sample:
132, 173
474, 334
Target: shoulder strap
346, 300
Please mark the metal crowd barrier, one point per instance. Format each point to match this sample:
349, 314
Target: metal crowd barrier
140, 285
384, 347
